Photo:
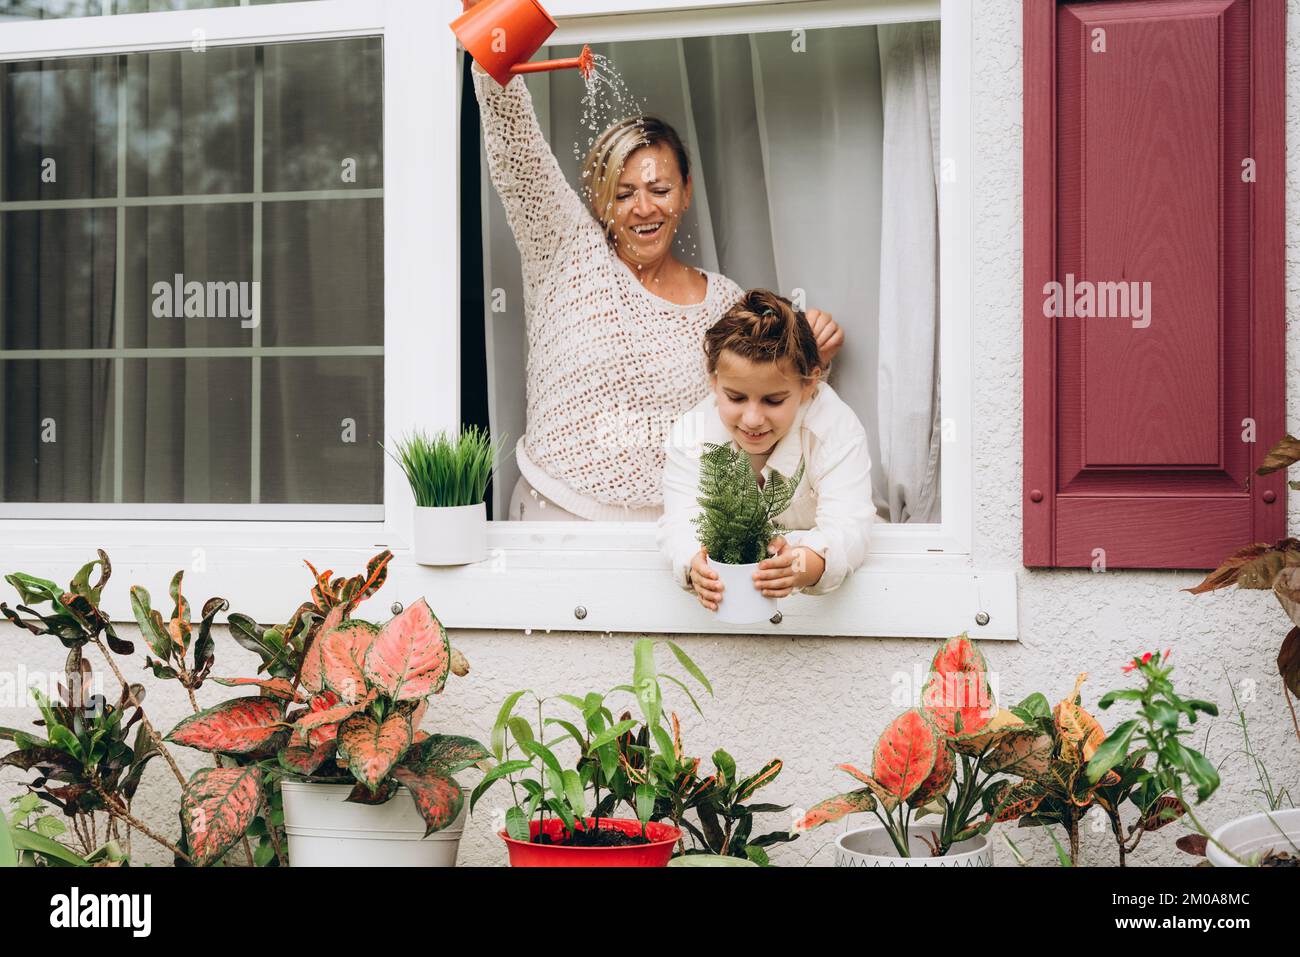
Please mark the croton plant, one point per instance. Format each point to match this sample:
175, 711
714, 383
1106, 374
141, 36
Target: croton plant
341, 702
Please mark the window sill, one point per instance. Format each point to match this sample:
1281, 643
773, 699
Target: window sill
536, 577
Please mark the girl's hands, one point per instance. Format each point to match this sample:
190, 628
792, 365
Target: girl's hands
707, 584
830, 337
787, 569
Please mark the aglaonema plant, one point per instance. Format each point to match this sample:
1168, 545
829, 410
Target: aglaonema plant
343, 703
946, 758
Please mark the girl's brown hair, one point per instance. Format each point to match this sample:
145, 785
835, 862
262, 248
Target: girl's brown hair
764, 327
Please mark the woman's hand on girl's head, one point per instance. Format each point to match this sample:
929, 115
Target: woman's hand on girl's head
705, 581
830, 337
787, 569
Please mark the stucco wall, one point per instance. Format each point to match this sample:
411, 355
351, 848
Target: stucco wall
818, 702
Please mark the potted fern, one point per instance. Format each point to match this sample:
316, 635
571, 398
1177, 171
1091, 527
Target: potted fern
737, 523
449, 477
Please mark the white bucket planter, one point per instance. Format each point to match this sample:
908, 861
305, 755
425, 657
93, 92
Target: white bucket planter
872, 847
326, 830
742, 603
454, 535
1252, 836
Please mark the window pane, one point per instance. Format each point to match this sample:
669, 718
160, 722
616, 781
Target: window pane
190, 122
323, 420
56, 279
61, 124
324, 269
187, 430
189, 276
324, 113
55, 445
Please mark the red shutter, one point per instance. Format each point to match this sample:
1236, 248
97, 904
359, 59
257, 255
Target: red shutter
1134, 173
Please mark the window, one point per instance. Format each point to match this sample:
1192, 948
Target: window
406, 357
181, 324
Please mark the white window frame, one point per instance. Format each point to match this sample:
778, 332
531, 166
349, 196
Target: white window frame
605, 577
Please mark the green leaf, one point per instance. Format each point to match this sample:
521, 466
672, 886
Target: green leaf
691, 666
665, 742
687, 690
610, 734
520, 730
498, 741
546, 754
502, 770
645, 802
1202, 774
645, 681
561, 809
1124, 694
52, 851
1111, 751
1034, 706
152, 627
570, 729
517, 824
8, 855
574, 793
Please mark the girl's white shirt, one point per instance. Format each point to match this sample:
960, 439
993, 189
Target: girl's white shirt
831, 512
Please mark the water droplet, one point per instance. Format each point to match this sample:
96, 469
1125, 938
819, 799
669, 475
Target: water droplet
528, 631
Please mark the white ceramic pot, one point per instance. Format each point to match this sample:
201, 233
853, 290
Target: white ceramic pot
1250, 836
455, 535
871, 847
742, 603
326, 830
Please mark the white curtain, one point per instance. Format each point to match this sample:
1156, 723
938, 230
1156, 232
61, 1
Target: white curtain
909, 273
788, 137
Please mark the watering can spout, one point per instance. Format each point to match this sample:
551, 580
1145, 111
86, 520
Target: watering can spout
503, 35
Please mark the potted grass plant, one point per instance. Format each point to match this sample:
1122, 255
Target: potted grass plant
737, 523
449, 476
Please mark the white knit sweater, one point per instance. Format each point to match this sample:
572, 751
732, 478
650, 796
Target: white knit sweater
611, 365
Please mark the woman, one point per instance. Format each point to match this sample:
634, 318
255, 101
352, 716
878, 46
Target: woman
615, 321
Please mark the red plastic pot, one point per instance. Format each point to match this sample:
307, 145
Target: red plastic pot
655, 854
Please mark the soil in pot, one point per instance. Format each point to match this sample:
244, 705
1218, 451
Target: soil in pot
1277, 858
595, 837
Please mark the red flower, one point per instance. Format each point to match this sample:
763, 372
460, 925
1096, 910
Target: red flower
1136, 663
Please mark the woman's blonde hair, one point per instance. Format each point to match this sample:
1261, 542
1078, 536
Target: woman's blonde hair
604, 164
764, 327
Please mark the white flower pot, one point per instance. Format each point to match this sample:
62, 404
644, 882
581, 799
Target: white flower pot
326, 830
1251, 836
872, 847
454, 535
742, 603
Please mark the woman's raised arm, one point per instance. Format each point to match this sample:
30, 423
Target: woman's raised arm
541, 207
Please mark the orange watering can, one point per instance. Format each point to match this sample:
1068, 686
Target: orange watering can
503, 34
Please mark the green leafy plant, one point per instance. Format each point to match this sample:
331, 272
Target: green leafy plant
724, 820
944, 758
30, 839
363, 688
1160, 792
739, 518
85, 765
446, 471
623, 761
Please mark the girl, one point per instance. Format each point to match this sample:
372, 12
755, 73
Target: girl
767, 399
